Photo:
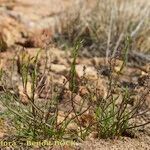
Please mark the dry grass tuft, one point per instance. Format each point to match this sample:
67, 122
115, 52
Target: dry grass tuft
106, 23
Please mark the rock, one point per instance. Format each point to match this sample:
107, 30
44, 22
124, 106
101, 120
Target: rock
86, 119
89, 71
83, 91
73, 127
39, 39
97, 61
11, 30
58, 68
59, 56
6, 60
2, 135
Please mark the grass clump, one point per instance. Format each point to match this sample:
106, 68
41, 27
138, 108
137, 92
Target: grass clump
34, 117
37, 118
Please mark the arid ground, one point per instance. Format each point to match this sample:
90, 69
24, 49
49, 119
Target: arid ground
116, 48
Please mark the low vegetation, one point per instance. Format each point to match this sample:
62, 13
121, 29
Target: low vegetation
35, 118
40, 108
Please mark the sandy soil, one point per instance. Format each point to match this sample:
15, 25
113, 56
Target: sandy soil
19, 18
